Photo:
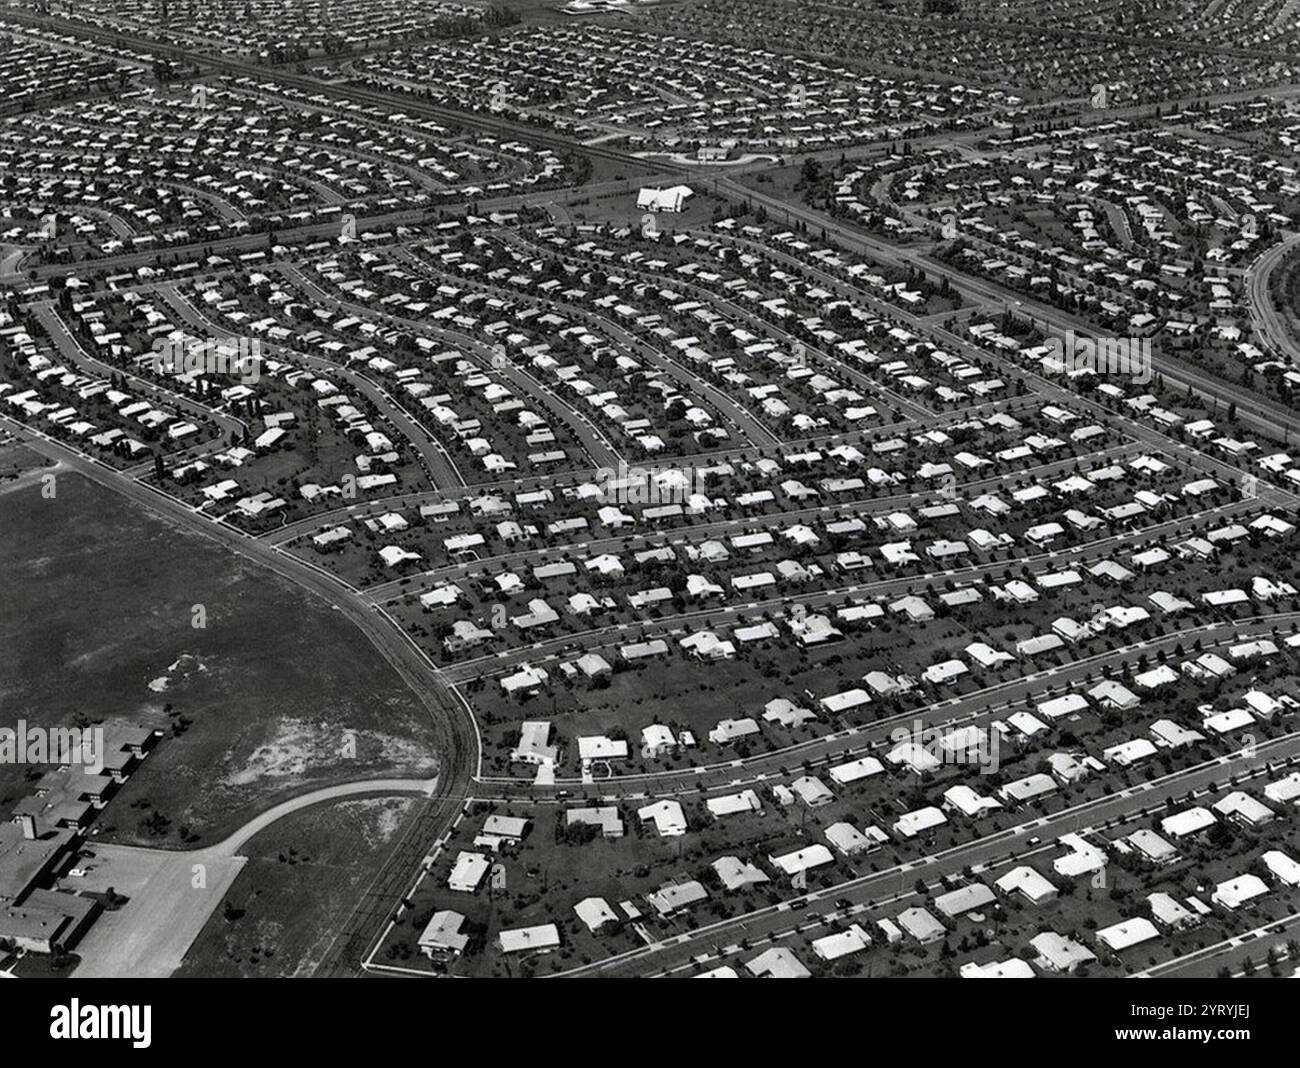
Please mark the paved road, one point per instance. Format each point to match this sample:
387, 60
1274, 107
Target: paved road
973, 707
49, 316
395, 589
1253, 409
597, 448
173, 893
719, 302
379, 505
1270, 326
1231, 953
440, 469
738, 417
455, 734
495, 663
453, 720
987, 851
232, 844
1044, 387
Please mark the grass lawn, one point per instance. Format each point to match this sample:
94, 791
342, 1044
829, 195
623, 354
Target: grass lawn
16, 459
303, 878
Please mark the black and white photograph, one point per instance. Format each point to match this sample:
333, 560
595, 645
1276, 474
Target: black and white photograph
590, 489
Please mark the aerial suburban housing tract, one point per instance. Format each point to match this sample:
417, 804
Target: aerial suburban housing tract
657, 488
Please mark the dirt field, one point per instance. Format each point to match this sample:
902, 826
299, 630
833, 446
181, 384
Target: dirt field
274, 696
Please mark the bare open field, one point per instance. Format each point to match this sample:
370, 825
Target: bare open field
275, 695
302, 874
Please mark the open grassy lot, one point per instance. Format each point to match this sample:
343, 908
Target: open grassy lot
304, 875
16, 460
97, 622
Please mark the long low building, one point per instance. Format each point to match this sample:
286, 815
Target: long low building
47, 920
